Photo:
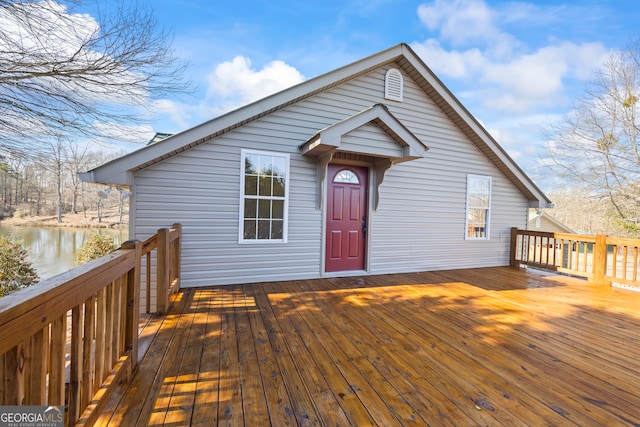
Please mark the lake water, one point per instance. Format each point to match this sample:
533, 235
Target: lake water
52, 249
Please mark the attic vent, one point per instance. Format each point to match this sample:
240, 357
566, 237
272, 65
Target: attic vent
393, 85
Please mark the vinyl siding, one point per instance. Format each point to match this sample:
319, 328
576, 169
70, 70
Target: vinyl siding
419, 224
370, 138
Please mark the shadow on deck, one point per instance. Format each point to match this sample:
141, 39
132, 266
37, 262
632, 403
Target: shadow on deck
492, 346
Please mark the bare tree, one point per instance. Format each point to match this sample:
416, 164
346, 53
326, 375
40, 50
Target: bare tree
56, 163
77, 161
81, 67
578, 209
597, 145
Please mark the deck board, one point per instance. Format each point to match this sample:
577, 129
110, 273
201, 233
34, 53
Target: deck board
205, 410
494, 346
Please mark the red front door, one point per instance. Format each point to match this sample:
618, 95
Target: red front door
346, 218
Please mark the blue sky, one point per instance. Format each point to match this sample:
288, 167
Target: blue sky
516, 66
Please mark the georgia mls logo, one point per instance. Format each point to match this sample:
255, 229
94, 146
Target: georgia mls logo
31, 416
56, 411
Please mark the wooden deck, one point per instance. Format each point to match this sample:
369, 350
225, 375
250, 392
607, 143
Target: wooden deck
495, 346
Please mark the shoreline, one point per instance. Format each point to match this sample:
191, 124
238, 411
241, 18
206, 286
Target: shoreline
80, 220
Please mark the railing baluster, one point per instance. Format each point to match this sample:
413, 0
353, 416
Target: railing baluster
624, 263
14, 388
101, 319
88, 362
75, 373
38, 367
123, 315
58, 356
635, 263
108, 348
572, 258
148, 281
115, 348
162, 274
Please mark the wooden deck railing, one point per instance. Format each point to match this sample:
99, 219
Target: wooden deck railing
600, 258
156, 250
71, 339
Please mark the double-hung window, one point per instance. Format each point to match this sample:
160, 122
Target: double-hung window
264, 192
478, 206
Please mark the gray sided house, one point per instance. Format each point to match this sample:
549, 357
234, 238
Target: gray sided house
372, 168
542, 221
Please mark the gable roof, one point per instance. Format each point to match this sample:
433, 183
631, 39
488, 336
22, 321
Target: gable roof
407, 145
120, 171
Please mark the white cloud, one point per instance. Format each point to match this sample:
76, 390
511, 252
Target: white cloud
455, 64
178, 113
230, 85
509, 68
474, 46
235, 83
460, 22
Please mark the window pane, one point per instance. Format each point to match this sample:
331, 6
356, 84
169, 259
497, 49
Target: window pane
277, 229
266, 166
346, 176
249, 230
250, 208
479, 200
264, 229
479, 192
483, 186
477, 223
478, 216
279, 166
482, 200
277, 209
250, 185
264, 208
278, 187
265, 185
476, 231
250, 164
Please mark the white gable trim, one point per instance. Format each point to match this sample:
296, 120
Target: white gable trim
329, 139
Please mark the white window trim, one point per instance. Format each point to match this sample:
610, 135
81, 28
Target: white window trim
489, 208
285, 225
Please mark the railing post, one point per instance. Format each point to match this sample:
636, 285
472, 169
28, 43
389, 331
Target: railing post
162, 274
133, 303
512, 249
600, 259
177, 253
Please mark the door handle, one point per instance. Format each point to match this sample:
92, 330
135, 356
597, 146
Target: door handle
364, 226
